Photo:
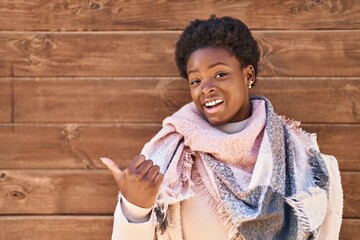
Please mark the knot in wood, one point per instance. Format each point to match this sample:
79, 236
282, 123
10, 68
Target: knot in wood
70, 133
39, 44
94, 5
3, 175
318, 1
17, 195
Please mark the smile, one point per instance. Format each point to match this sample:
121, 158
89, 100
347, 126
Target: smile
213, 103
212, 107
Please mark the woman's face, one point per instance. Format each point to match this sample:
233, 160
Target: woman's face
219, 86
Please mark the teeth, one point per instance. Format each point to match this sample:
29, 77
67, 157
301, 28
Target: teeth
212, 103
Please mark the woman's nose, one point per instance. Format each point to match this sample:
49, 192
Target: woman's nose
207, 87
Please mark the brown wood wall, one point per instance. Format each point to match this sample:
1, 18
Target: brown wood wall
81, 79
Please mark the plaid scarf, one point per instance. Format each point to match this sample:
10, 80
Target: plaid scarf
285, 196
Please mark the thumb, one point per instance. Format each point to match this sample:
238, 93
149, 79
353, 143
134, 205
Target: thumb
113, 167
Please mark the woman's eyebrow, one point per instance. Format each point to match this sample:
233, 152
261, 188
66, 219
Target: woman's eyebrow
210, 66
216, 64
192, 71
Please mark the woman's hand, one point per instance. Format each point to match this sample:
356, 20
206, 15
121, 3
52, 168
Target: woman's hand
139, 183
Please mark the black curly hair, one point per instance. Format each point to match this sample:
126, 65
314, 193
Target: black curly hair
226, 32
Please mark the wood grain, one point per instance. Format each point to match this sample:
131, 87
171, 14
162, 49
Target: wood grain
159, 15
5, 100
55, 227
64, 191
79, 146
88, 54
134, 54
351, 186
150, 100
71, 146
98, 100
350, 229
92, 227
292, 53
326, 100
57, 192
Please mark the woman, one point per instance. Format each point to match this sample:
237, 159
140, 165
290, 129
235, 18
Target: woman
226, 166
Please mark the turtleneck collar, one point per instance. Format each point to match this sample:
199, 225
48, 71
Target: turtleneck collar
233, 127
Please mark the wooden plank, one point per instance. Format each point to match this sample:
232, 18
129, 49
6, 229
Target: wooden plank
351, 187
312, 99
284, 53
63, 192
92, 227
55, 227
57, 192
342, 141
150, 100
350, 229
5, 100
292, 53
71, 146
79, 146
88, 54
98, 100
159, 15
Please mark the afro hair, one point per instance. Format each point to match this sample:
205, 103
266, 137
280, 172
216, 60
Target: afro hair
226, 32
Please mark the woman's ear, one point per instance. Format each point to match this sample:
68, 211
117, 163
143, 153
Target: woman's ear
250, 75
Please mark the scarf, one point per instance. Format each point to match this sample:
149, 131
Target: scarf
267, 181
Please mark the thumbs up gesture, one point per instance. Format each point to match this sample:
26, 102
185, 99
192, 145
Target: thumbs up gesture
139, 183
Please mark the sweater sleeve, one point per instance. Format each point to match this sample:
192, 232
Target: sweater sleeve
330, 229
134, 213
138, 223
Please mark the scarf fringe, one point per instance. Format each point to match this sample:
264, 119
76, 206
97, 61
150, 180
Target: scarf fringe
295, 126
215, 207
306, 206
184, 176
318, 168
161, 217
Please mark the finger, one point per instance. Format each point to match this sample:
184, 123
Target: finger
112, 166
136, 162
159, 179
144, 168
153, 171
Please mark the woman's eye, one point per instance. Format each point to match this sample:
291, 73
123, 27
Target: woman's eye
195, 81
220, 74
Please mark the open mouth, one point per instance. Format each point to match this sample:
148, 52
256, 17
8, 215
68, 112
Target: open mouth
213, 104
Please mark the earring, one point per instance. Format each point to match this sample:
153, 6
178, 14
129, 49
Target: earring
253, 75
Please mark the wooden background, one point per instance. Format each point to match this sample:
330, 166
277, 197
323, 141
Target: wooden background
81, 79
